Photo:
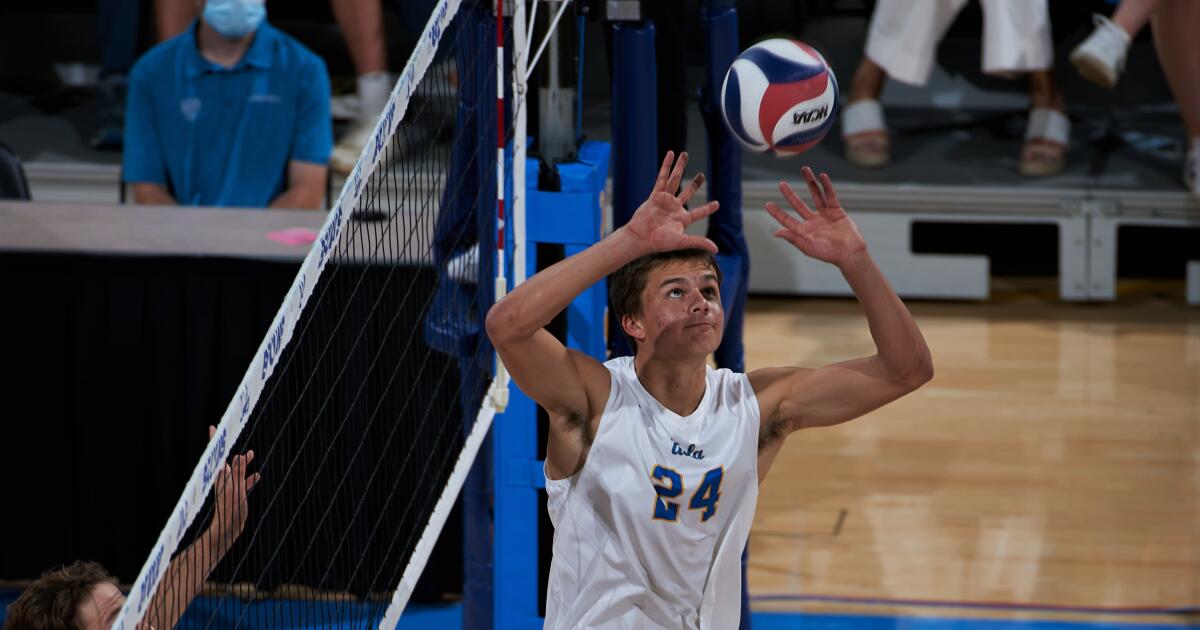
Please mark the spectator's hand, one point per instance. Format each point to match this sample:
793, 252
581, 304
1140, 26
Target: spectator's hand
659, 223
230, 490
828, 234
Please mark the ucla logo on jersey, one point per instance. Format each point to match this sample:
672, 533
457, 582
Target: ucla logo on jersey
691, 451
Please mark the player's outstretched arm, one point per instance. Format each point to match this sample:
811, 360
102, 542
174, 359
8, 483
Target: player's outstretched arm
795, 398
570, 385
186, 574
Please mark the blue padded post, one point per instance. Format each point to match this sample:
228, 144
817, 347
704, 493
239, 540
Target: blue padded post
635, 130
725, 183
573, 218
719, 20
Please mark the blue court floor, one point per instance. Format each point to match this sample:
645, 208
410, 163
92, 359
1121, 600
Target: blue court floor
449, 616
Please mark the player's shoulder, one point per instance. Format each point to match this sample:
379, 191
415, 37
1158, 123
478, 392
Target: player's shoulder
725, 378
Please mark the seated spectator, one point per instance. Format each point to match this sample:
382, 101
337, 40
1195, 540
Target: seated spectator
83, 596
231, 112
361, 22
902, 43
1101, 58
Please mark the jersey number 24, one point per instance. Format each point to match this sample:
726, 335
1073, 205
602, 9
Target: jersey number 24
669, 485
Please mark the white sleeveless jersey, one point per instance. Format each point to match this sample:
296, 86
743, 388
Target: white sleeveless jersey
649, 533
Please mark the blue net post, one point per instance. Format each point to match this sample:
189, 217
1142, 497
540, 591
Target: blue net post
719, 20
725, 182
634, 130
468, 220
573, 218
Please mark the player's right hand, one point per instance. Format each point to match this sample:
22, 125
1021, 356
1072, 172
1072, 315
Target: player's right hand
658, 224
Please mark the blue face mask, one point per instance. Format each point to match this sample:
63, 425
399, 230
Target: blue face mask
234, 18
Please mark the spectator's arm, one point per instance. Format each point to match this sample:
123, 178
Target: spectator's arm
312, 137
305, 186
143, 165
152, 195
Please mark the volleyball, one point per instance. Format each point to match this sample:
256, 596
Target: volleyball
779, 95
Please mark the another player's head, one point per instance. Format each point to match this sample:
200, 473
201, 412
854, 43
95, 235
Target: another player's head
81, 595
669, 303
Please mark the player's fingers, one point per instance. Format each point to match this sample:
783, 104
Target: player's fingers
795, 201
698, 242
663, 171
814, 188
252, 481
211, 431
695, 214
677, 173
691, 189
782, 216
794, 238
830, 196
238, 468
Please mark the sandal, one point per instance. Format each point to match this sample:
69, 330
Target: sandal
865, 134
1046, 140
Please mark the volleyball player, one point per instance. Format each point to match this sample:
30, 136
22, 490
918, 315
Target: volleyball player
84, 596
653, 461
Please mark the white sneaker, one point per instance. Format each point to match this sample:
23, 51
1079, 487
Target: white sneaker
1101, 57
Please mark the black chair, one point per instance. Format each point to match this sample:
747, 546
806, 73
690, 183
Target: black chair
13, 184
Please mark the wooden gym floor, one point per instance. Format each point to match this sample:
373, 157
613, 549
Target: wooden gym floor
1050, 470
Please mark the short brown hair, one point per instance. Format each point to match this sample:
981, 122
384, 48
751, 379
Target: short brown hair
626, 284
52, 601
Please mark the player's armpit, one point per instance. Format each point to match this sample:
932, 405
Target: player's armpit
795, 398
570, 385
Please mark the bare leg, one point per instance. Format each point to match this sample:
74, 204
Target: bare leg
1178, 48
1045, 148
1044, 92
1132, 15
172, 17
868, 81
863, 128
361, 22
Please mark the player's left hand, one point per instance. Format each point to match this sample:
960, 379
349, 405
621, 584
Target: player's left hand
826, 234
230, 490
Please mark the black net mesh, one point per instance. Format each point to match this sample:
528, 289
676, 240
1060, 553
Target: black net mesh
358, 428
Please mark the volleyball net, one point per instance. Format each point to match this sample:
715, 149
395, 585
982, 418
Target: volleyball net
368, 397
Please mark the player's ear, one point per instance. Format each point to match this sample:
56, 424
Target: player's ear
633, 327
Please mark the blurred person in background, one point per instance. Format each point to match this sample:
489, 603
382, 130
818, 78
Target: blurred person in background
902, 44
1101, 58
119, 22
231, 112
361, 22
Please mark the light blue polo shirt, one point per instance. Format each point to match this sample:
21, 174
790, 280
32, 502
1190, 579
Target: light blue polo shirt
223, 136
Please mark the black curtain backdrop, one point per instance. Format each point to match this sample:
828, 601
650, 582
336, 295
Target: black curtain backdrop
114, 368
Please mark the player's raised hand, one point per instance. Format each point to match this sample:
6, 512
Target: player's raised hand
230, 489
827, 234
660, 221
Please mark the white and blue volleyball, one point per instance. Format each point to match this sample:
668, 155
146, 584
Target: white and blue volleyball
779, 95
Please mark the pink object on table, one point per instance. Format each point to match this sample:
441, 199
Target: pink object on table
293, 236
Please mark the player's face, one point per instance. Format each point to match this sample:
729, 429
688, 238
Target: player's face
681, 311
100, 608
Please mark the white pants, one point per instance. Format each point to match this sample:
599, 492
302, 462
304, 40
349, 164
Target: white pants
904, 36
